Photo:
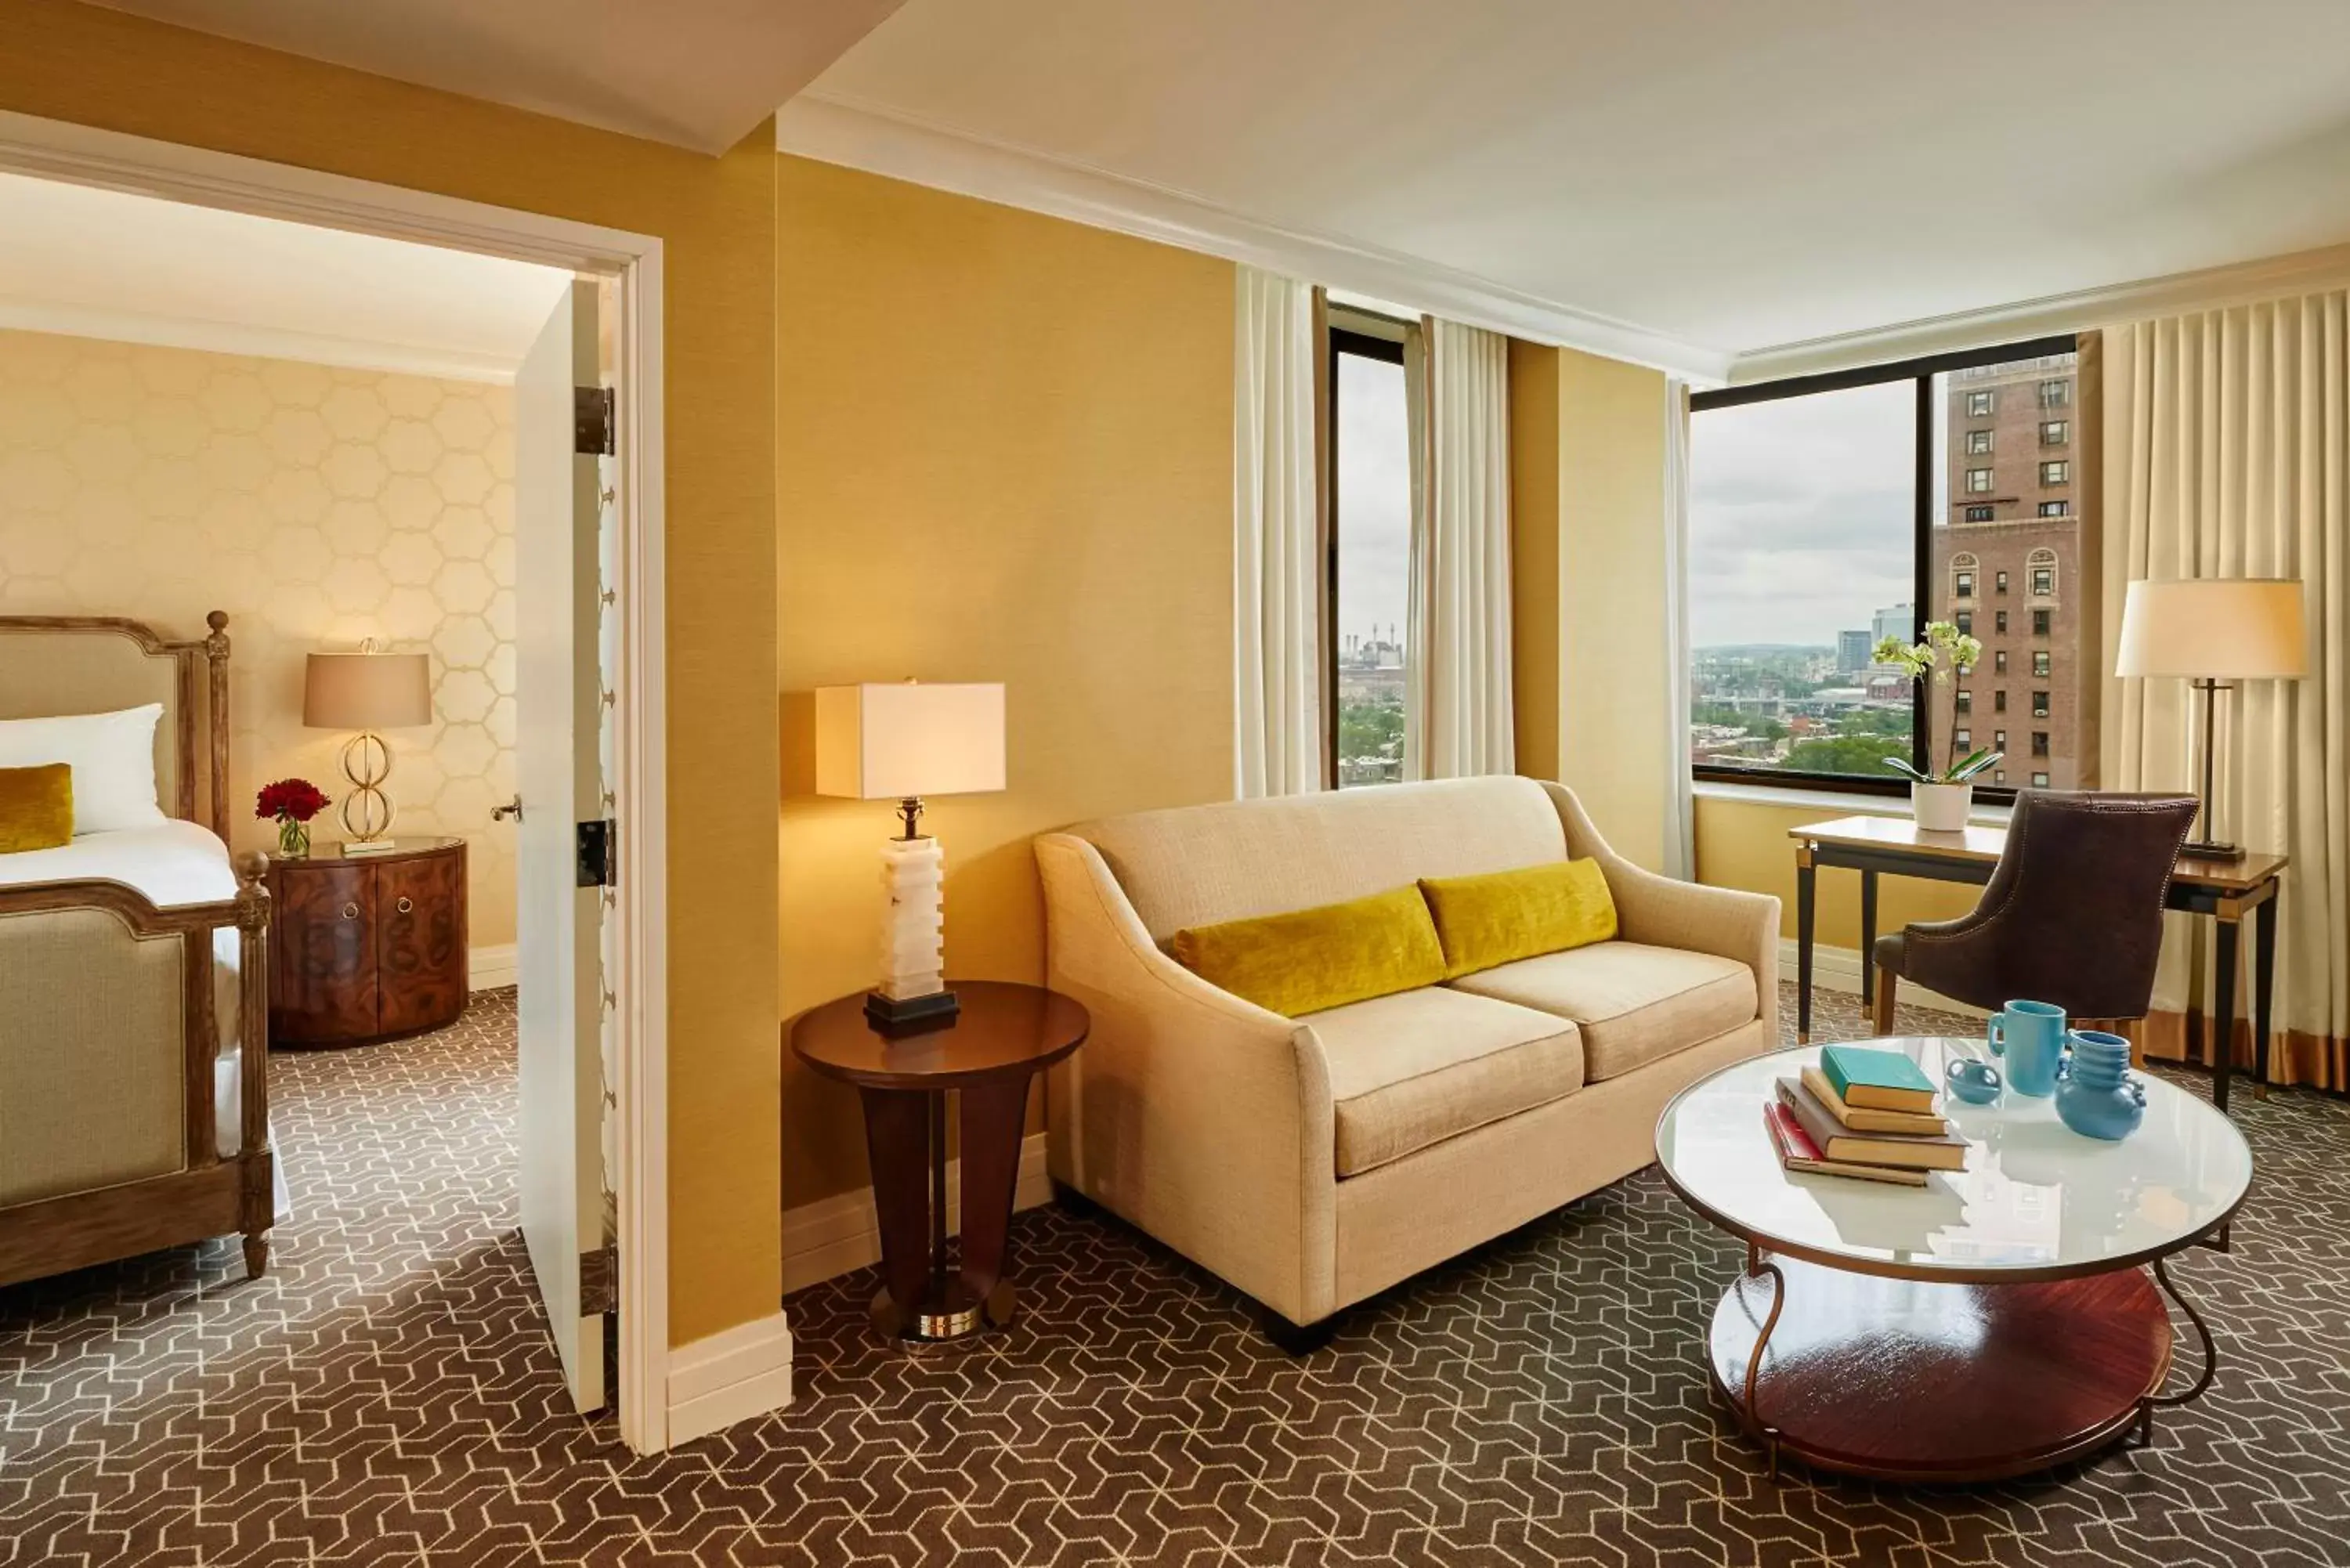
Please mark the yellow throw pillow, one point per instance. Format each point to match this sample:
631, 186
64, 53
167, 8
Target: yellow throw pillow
35, 808
1308, 960
1505, 915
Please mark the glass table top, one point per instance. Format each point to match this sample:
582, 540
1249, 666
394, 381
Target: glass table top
2036, 1198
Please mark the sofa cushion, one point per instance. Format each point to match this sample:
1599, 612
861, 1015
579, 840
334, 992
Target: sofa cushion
1635, 1003
1413, 1069
1505, 916
1310, 959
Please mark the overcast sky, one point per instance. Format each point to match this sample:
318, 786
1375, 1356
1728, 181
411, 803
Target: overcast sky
1374, 497
1799, 515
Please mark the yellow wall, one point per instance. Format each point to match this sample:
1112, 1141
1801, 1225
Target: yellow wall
1744, 844
1006, 454
1587, 461
716, 218
317, 507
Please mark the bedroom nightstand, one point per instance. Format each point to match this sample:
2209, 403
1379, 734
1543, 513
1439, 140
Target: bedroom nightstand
368, 947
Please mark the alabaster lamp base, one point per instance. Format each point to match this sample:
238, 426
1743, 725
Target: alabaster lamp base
913, 992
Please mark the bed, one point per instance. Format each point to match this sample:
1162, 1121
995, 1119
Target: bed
134, 1099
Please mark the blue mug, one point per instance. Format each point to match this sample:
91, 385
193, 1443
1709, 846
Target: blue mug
2031, 1036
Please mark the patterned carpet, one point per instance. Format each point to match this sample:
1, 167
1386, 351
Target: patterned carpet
384, 1395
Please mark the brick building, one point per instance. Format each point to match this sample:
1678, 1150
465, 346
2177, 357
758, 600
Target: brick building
2006, 567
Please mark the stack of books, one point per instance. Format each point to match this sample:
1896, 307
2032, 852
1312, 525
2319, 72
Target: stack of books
1864, 1112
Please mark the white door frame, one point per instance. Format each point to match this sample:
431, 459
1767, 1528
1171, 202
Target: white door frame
58, 149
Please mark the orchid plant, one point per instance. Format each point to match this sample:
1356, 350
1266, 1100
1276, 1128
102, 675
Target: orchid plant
1945, 649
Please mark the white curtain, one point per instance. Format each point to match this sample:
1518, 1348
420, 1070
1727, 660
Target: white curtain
1680, 828
1277, 746
2227, 451
1458, 639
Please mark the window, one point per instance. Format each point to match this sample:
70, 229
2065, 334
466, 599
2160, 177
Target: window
1966, 620
2040, 781
1999, 739
1963, 739
1999, 661
2040, 663
2041, 566
1801, 557
1999, 622
2055, 508
2040, 704
2055, 473
1998, 700
1999, 583
1370, 551
2056, 394
1999, 775
1963, 700
2039, 742
2040, 620
2055, 432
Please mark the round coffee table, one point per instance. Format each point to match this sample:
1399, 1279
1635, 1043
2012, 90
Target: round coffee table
1998, 1321
987, 1053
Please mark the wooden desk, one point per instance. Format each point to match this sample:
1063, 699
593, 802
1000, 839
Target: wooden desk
2227, 890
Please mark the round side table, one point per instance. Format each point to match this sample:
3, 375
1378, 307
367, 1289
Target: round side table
1005, 1034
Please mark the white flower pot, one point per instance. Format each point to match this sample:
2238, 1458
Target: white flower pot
1941, 808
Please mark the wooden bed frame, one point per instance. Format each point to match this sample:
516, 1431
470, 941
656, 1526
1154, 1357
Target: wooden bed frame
206, 1195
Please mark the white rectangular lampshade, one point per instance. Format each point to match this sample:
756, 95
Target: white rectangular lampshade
2217, 629
890, 741
367, 691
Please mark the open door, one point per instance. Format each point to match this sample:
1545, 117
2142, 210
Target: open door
562, 842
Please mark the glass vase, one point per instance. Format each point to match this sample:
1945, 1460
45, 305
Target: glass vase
293, 840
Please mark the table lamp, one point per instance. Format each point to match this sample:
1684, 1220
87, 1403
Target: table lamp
2213, 632
903, 742
367, 691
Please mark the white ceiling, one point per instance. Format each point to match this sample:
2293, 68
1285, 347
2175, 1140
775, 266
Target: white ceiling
105, 264
697, 73
1734, 176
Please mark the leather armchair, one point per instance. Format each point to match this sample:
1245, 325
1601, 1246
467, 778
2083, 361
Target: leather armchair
2072, 915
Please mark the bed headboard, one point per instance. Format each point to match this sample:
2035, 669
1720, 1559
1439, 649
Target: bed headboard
96, 664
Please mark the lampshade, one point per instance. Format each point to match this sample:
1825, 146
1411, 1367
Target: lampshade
2219, 628
880, 741
367, 691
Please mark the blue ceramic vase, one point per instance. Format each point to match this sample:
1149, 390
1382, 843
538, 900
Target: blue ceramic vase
2096, 1095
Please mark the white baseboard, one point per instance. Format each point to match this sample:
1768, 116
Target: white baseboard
493, 967
731, 1376
838, 1235
1838, 969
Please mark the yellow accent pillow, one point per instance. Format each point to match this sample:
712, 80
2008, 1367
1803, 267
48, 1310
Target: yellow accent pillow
35, 808
1308, 960
1505, 915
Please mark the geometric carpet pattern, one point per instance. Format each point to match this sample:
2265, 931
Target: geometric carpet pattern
385, 1395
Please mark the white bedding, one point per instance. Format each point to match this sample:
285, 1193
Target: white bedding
174, 862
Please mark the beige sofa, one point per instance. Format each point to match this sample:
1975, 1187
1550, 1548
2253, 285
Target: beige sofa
1314, 1161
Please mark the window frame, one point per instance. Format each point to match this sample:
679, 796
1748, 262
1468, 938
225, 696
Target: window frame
1369, 346
1920, 373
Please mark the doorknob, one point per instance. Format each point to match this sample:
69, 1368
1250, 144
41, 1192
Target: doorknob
511, 808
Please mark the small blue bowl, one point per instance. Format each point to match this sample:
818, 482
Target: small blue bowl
1977, 1082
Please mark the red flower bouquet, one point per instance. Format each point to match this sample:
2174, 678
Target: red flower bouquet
292, 802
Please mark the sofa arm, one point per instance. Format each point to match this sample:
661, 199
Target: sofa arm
1667, 913
1201, 1118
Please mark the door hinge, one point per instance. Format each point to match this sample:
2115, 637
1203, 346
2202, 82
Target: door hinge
597, 842
600, 1280
592, 422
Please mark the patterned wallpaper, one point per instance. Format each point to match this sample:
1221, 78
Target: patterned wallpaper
317, 507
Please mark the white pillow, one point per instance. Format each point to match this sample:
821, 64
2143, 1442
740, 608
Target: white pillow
113, 760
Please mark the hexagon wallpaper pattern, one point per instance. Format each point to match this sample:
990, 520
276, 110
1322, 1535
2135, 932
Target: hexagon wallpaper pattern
318, 507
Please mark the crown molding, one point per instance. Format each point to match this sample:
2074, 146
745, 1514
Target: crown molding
2175, 294
257, 342
838, 131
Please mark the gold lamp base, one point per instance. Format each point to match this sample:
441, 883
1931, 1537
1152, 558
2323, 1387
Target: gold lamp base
367, 811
